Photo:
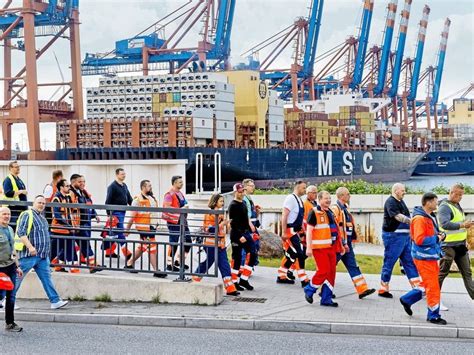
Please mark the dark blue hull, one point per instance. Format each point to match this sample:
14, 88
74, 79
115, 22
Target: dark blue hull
447, 163
271, 167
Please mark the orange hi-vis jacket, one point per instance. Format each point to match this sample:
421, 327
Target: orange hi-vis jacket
142, 219
209, 225
321, 237
346, 226
176, 202
71, 220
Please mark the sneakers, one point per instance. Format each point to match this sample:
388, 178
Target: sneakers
406, 307
59, 304
439, 321
130, 268
245, 284
442, 307
385, 294
290, 275
285, 281
13, 327
366, 293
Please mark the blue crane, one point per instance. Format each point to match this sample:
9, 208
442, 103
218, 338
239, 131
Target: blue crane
313, 36
405, 16
419, 54
362, 44
387, 42
142, 50
440, 63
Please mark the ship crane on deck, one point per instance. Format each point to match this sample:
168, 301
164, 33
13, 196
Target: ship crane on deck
152, 51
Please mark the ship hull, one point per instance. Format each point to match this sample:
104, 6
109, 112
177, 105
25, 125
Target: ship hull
270, 167
446, 164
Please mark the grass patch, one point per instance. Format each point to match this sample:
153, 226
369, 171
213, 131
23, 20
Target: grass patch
368, 265
156, 299
105, 297
78, 298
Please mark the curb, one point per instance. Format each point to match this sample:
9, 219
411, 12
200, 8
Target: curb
250, 324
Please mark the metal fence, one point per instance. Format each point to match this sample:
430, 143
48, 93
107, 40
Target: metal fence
88, 244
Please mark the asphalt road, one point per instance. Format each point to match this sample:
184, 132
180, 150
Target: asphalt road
51, 338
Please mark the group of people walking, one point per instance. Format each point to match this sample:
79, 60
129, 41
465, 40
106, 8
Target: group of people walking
312, 226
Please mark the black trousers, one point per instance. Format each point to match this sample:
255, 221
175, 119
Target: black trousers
10, 271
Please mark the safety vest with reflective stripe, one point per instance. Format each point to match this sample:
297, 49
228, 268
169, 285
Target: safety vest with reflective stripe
18, 244
15, 189
209, 226
176, 202
66, 215
346, 228
321, 236
142, 219
458, 217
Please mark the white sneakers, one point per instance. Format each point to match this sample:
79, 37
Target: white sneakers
59, 304
442, 307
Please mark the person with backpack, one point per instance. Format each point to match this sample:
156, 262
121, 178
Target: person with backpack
9, 269
33, 244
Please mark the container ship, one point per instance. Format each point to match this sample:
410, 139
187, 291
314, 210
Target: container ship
232, 122
451, 149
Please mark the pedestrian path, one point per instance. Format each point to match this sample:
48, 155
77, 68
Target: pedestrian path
275, 302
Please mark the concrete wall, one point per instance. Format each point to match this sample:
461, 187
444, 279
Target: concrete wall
99, 174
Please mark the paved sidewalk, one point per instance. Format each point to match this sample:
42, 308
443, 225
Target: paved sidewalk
284, 308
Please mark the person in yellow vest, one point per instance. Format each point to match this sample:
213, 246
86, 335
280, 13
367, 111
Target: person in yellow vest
348, 233
453, 222
14, 189
64, 223
145, 223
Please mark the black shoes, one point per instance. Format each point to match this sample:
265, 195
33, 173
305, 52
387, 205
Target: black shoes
406, 307
176, 264
239, 288
245, 284
366, 293
160, 274
439, 321
290, 275
285, 281
113, 255
130, 269
332, 304
172, 268
385, 294
235, 293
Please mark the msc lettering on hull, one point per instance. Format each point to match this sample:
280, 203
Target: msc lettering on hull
325, 163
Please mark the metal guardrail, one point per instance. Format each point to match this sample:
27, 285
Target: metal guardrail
93, 238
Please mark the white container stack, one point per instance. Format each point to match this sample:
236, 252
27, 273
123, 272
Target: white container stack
276, 119
206, 97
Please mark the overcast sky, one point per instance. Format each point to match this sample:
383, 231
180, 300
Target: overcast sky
105, 21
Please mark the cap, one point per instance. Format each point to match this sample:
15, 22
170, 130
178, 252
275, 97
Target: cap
238, 187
